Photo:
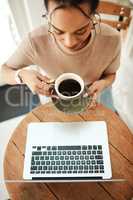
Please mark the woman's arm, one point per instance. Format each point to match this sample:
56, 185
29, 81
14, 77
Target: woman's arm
98, 86
7, 75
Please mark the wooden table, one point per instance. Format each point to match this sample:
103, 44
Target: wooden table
121, 150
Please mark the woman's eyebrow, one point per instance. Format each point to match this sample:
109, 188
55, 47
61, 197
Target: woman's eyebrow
74, 31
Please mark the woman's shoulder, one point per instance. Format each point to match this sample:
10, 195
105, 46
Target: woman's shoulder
108, 35
39, 33
106, 30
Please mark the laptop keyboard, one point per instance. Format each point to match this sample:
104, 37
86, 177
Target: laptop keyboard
82, 159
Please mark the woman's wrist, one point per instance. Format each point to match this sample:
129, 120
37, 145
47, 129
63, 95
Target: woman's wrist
20, 76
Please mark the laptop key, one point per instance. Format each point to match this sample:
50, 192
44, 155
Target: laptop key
93, 152
60, 167
99, 147
66, 157
57, 162
59, 153
78, 152
36, 157
94, 147
42, 162
54, 147
100, 162
76, 157
65, 167
70, 167
101, 166
33, 168
69, 147
44, 167
74, 152
36, 153
44, 153
87, 157
32, 163
61, 157
54, 153
72, 157
51, 157
56, 157
88, 152
84, 152
42, 172
62, 162
52, 162
64, 152
40, 168
69, 153
73, 162
46, 157
50, 168
81, 167
48, 148
84, 147
78, 162
99, 152
39, 148
32, 172
93, 162
49, 152
88, 162
55, 168
98, 157
41, 157
75, 167
86, 172
37, 172
68, 162
91, 157
83, 162
53, 172
82, 157
63, 172
37, 162
47, 162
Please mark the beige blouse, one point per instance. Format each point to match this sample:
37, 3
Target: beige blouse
100, 56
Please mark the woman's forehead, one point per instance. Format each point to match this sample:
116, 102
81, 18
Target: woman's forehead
68, 19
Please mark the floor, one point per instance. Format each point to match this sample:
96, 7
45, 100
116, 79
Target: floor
15, 102
6, 129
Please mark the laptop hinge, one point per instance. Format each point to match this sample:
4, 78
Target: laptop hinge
67, 178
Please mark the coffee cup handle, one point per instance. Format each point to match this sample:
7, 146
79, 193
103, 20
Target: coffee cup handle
52, 92
87, 90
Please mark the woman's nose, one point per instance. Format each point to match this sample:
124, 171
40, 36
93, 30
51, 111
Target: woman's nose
70, 41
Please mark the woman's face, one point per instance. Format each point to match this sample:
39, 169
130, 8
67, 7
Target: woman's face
69, 25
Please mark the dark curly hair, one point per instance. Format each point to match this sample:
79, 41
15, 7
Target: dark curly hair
75, 3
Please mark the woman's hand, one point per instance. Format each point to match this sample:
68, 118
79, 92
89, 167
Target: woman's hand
94, 90
37, 83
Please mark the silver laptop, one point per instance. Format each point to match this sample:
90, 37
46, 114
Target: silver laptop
67, 151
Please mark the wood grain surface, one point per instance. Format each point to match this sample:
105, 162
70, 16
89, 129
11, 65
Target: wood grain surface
121, 152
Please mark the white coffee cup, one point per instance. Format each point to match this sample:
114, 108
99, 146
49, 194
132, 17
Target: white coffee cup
66, 77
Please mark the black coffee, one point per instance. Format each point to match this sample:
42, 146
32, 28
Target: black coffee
69, 87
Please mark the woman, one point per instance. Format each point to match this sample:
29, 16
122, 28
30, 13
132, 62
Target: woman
71, 42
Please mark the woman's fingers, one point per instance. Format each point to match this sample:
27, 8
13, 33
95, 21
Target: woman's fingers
93, 102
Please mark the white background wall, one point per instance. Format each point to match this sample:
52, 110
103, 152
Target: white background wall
34, 12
